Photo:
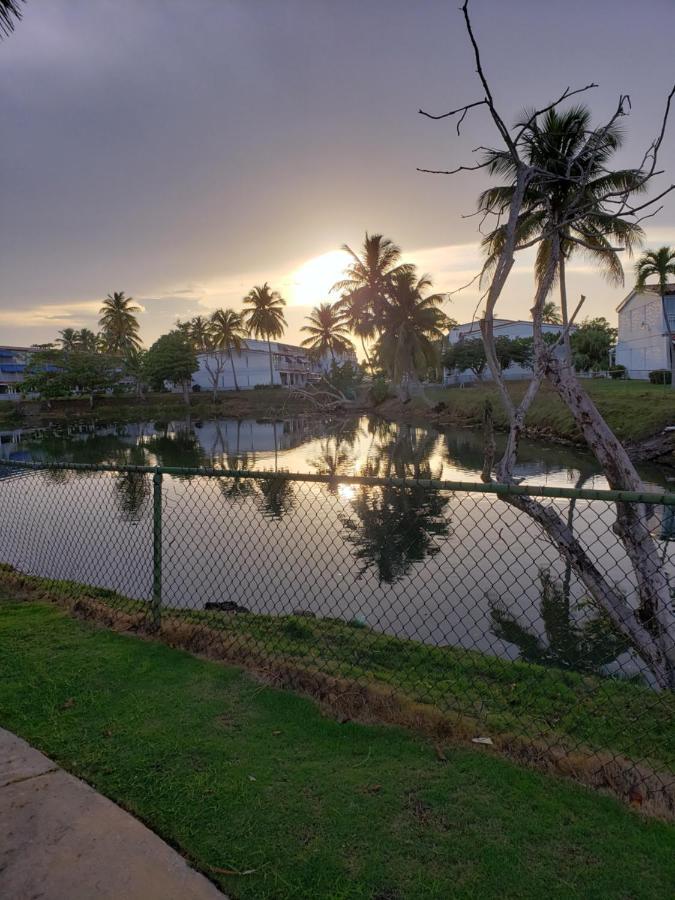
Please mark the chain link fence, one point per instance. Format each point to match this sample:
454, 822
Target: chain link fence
438, 604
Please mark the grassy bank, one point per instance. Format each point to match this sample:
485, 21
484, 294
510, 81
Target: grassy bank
243, 778
558, 709
261, 404
634, 410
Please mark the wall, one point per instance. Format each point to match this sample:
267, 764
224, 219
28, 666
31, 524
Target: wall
642, 344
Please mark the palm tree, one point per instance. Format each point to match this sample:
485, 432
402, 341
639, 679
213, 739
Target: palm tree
659, 263
69, 339
369, 275
88, 341
550, 314
265, 316
359, 319
226, 330
327, 331
569, 202
411, 323
198, 330
9, 11
119, 324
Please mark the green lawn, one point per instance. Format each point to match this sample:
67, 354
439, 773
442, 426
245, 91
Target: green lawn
558, 707
243, 777
633, 409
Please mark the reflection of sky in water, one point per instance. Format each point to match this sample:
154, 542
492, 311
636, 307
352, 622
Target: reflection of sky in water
352, 446
446, 568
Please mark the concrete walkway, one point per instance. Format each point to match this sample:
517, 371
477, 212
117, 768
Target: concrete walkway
60, 840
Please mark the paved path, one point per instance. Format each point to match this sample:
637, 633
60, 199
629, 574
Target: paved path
60, 840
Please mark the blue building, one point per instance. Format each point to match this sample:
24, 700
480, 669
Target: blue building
13, 361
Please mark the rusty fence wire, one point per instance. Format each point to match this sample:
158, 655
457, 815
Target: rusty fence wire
449, 598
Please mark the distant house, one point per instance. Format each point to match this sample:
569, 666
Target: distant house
646, 328
13, 361
291, 366
509, 328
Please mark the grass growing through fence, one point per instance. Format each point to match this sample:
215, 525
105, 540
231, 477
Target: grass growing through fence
242, 777
563, 708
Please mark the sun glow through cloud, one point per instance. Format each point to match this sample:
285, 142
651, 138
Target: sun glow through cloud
311, 282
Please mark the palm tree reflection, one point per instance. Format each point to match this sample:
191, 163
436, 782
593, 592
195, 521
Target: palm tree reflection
585, 646
393, 527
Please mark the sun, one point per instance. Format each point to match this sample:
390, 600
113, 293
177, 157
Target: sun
314, 279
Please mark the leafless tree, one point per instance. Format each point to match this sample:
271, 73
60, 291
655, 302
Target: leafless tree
650, 623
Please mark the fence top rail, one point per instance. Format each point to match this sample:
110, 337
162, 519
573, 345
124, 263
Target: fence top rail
531, 490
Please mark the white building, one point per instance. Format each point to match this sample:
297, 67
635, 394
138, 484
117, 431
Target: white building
508, 328
645, 323
291, 366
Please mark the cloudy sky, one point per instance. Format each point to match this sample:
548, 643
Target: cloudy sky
184, 150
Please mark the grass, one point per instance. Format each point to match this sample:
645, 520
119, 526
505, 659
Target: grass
242, 777
634, 410
559, 707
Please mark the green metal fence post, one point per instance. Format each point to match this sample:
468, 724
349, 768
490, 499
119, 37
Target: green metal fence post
156, 550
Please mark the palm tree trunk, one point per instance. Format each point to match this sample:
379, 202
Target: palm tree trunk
234, 372
365, 353
269, 347
567, 348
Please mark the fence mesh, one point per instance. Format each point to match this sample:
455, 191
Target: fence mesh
446, 595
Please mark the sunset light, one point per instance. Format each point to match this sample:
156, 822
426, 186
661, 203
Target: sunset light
313, 280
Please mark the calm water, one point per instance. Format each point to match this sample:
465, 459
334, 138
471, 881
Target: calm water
446, 568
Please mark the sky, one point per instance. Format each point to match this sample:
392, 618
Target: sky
184, 150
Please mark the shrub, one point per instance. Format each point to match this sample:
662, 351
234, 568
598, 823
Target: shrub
380, 391
661, 376
618, 371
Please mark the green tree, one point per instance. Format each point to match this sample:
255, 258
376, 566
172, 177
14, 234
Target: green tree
655, 263
171, 358
134, 368
88, 341
199, 332
327, 331
359, 319
568, 203
470, 355
60, 373
369, 275
591, 344
264, 318
411, 324
69, 339
227, 334
550, 314
119, 323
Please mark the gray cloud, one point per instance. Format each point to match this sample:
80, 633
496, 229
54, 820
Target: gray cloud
194, 142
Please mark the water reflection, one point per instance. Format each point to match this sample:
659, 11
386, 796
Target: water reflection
585, 646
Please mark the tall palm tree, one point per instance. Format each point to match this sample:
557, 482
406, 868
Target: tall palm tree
327, 331
69, 339
659, 263
9, 11
412, 323
264, 317
198, 330
226, 330
359, 319
569, 201
369, 274
119, 323
550, 314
